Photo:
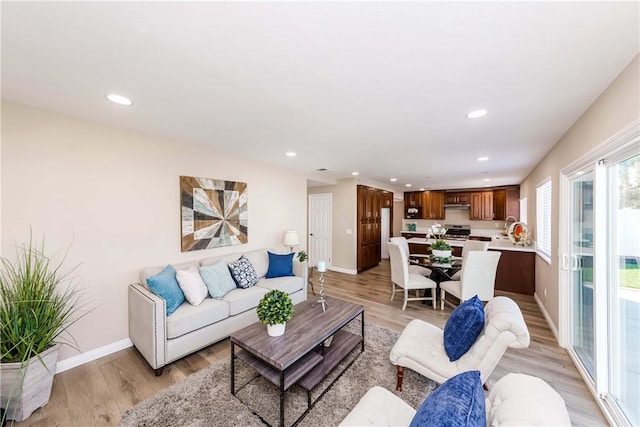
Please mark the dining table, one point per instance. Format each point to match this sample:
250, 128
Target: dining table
440, 272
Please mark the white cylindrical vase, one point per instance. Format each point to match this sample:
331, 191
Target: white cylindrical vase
441, 254
276, 330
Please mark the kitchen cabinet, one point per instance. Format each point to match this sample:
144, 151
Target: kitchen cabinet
424, 204
506, 203
387, 199
457, 198
481, 206
516, 272
369, 205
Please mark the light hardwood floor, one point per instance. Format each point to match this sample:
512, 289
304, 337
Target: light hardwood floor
97, 393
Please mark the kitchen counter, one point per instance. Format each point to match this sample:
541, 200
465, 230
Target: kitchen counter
500, 245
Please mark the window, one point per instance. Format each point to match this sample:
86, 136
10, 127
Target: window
523, 210
543, 220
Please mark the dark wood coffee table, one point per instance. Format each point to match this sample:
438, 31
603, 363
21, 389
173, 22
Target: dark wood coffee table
299, 355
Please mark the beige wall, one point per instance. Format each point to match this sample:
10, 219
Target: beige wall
344, 210
617, 107
115, 193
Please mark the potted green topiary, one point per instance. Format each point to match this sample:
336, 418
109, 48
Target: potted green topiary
38, 303
274, 310
302, 256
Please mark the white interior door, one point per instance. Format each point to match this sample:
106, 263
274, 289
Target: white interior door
320, 228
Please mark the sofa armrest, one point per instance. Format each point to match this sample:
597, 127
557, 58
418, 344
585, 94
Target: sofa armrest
301, 269
147, 324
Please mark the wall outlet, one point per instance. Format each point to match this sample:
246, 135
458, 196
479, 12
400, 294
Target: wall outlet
348, 231
496, 224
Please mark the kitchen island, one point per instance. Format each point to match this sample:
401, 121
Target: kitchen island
516, 268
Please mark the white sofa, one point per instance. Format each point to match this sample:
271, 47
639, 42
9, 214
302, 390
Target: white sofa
162, 340
515, 400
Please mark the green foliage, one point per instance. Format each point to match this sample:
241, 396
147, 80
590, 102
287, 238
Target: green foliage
275, 307
38, 303
440, 245
302, 256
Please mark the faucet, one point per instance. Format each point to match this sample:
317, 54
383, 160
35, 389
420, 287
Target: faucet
506, 221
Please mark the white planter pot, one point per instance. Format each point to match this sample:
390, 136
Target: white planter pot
441, 254
22, 397
276, 330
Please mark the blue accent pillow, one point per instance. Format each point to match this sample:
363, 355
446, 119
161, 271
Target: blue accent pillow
458, 402
463, 328
243, 273
165, 285
280, 265
218, 279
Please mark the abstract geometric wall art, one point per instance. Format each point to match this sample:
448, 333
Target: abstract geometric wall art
214, 213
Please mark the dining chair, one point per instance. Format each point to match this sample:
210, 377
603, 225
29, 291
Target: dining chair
467, 246
404, 245
477, 277
400, 276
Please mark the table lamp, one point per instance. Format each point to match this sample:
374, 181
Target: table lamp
291, 239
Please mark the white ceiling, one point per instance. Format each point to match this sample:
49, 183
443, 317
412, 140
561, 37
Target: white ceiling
376, 87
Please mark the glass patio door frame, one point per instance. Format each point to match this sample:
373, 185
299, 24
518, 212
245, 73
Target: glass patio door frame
599, 385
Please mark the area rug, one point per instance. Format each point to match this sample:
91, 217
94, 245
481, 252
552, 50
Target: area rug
205, 399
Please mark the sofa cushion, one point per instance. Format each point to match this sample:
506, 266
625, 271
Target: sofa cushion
165, 285
288, 284
189, 317
191, 284
243, 273
458, 402
260, 261
463, 328
218, 279
241, 300
280, 265
523, 400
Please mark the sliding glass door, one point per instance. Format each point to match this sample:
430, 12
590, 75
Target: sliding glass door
580, 265
600, 293
624, 285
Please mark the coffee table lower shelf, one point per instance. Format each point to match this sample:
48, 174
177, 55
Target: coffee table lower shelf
292, 374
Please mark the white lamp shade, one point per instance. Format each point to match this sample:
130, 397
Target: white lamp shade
291, 238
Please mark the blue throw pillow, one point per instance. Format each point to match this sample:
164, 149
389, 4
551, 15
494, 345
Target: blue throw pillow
218, 279
463, 328
280, 265
165, 285
458, 402
243, 273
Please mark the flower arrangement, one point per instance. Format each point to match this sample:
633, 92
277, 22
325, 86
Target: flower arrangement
438, 231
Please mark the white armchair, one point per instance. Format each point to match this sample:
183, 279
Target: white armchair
420, 347
400, 276
478, 277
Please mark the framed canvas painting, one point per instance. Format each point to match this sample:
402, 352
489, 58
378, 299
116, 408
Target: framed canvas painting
214, 213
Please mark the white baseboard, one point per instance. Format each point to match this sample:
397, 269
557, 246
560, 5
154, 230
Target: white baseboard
87, 357
343, 270
553, 328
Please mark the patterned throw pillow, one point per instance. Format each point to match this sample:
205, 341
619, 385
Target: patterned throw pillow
243, 273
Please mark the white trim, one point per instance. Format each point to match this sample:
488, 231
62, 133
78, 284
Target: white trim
81, 359
543, 226
343, 270
547, 317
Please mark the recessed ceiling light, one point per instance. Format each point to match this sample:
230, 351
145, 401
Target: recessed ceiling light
476, 114
291, 154
422, 189
355, 173
393, 179
407, 185
487, 179
119, 99
483, 159
488, 185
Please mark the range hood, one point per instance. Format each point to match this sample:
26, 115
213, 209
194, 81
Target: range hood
458, 206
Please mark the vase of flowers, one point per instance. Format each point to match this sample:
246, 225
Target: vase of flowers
439, 248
